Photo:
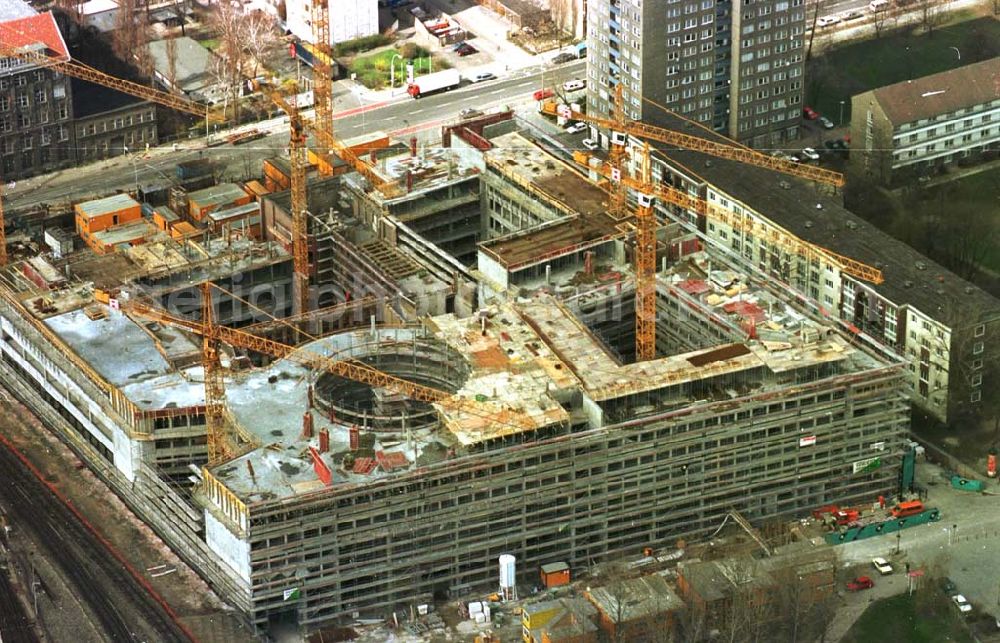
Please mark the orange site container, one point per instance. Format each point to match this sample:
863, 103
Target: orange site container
555, 574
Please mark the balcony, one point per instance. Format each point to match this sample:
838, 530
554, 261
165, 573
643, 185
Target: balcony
615, 25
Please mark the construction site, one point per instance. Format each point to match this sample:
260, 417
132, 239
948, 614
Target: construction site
361, 380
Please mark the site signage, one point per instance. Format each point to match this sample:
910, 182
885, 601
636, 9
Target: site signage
868, 464
807, 441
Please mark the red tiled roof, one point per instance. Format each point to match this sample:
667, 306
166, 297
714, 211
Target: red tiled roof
390, 461
364, 465
41, 28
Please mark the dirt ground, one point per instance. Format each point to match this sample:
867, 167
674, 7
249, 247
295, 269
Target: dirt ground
191, 598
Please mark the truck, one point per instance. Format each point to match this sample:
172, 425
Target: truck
436, 82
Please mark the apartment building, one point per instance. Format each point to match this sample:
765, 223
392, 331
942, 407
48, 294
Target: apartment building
36, 135
348, 19
913, 128
736, 68
110, 123
947, 328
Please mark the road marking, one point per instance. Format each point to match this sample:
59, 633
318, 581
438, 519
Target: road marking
416, 111
495, 92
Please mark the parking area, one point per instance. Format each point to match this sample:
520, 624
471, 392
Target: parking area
964, 545
490, 32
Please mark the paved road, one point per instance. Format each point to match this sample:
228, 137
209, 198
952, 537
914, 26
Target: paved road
402, 116
964, 543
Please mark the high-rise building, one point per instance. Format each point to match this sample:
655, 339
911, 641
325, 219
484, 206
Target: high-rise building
733, 67
349, 19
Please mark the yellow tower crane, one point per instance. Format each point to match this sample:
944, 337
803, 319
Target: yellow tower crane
619, 128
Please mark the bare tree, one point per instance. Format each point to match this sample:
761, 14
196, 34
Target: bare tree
170, 49
812, 29
931, 15
879, 17
229, 22
261, 33
561, 11
131, 36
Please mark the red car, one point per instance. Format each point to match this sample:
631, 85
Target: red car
809, 113
542, 94
860, 583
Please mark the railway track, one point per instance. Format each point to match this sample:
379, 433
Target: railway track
98, 578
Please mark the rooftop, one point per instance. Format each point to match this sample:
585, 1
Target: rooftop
585, 205
107, 205
791, 203
31, 31
941, 93
126, 233
193, 65
636, 598
221, 194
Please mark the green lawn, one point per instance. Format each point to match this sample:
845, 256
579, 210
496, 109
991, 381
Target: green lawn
903, 618
842, 72
210, 44
373, 71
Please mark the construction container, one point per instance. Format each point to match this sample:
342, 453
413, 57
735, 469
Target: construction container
219, 197
337, 164
958, 482
191, 169
164, 217
121, 236
555, 574
101, 214
255, 189
183, 230
277, 174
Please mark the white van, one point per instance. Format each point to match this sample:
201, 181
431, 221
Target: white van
574, 85
878, 5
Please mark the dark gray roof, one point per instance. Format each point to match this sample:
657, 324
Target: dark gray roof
926, 97
933, 289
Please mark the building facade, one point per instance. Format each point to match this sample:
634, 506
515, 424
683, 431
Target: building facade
36, 134
945, 326
130, 126
736, 68
349, 19
914, 128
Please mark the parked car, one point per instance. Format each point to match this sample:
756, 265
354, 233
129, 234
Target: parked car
860, 583
564, 57
466, 50
882, 566
794, 158
483, 76
542, 94
575, 128
962, 604
470, 112
590, 144
878, 5
826, 21
810, 154
948, 587
778, 154
458, 45
574, 85
825, 122
853, 14
809, 113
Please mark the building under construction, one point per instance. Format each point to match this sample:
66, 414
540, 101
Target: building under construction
548, 440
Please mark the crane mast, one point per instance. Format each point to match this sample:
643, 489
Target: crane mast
215, 386
322, 83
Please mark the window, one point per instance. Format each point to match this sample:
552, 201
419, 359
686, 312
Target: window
980, 330
40, 96
977, 379
22, 100
977, 348
4, 103
62, 112
976, 396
